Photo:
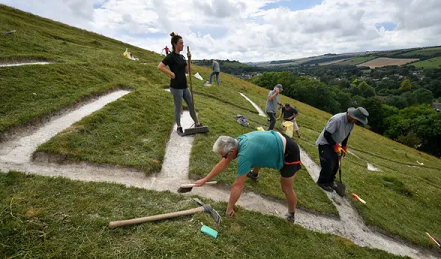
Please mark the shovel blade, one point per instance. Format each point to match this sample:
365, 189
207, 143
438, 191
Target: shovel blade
341, 189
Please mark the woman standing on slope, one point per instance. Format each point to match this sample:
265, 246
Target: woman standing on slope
178, 83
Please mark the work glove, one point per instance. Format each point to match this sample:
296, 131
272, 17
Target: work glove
345, 149
339, 150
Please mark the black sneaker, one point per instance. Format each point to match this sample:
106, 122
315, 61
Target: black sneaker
326, 187
290, 217
253, 175
180, 132
199, 125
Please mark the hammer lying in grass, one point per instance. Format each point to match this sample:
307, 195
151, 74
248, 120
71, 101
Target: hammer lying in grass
206, 208
189, 187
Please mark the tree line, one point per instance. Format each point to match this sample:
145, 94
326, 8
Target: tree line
398, 99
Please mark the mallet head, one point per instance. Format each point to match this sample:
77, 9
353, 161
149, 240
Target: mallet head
210, 210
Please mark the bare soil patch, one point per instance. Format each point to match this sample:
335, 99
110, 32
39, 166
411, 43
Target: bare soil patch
381, 62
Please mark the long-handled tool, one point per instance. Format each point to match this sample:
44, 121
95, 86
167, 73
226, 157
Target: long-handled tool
434, 240
189, 187
341, 188
204, 207
200, 129
358, 198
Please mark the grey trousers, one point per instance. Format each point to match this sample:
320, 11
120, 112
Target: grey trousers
272, 117
178, 95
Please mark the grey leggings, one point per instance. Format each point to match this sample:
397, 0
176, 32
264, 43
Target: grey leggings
178, 94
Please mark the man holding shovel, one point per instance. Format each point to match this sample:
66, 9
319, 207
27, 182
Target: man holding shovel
336, 131
255, 150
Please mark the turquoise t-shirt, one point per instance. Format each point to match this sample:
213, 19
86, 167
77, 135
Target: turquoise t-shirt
259, 149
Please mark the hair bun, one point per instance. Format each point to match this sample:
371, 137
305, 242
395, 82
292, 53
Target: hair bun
172, 34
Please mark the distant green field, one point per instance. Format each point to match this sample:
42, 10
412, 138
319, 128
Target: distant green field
430, 63
427, 52
356, 60
393, 53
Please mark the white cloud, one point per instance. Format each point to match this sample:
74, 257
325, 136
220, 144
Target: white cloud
243, 30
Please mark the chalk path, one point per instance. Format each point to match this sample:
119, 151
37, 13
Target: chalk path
24, 64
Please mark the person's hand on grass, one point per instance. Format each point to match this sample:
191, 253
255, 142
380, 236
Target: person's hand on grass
230, 213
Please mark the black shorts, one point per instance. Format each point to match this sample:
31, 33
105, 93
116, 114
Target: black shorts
292, 162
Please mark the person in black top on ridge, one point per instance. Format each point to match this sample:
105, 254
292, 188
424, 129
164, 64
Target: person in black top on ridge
178, 82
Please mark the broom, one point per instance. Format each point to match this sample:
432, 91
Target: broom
189, 187
203, 129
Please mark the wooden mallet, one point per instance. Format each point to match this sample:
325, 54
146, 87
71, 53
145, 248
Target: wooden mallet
202, 208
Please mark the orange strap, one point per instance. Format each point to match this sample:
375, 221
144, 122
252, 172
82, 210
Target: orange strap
293, 163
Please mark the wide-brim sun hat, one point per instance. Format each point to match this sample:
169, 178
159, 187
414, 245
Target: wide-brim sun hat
279, 86
360, 114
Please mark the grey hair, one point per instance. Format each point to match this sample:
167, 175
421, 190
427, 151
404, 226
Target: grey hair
224, 144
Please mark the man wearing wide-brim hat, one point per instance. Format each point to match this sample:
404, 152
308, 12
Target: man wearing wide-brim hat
336, 131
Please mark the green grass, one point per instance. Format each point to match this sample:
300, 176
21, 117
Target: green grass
101, 138
43, 217
88, 64
133, 131
429, 63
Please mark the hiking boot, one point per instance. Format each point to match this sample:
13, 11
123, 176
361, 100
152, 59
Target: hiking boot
290, 217
333, 186
253, 175
326, 187
180, 132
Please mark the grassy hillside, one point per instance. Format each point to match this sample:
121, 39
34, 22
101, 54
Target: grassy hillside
429, 63
57, 218
133, 131
130, 132
423, 52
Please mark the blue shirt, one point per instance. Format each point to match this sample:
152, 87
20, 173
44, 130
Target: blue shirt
259, 149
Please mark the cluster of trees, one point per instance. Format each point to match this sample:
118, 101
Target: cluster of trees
403, 115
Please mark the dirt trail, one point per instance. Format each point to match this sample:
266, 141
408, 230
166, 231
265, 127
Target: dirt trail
15, 155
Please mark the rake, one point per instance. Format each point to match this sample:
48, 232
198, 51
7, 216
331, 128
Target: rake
194, 130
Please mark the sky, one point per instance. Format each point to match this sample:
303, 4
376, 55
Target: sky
253, 30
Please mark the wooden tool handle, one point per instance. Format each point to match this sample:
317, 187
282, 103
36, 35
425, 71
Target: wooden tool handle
193, 185
120, 223
189, 75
